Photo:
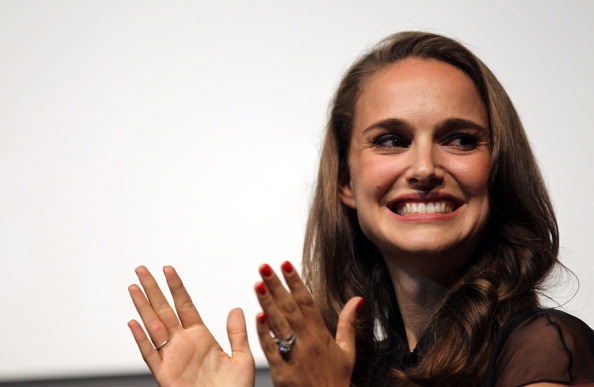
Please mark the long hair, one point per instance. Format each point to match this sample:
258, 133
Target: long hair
504, 275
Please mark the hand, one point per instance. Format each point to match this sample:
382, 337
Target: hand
186, 353
316, 359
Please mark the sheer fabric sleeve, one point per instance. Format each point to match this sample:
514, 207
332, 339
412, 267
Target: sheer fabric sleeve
542, 345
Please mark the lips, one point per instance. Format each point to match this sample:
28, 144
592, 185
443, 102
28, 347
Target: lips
407, 207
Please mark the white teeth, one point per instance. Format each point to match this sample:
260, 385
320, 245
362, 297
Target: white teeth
425, 208
422, 208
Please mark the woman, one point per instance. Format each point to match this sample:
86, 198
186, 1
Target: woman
430, 206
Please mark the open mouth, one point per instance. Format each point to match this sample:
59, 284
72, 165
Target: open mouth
406, 208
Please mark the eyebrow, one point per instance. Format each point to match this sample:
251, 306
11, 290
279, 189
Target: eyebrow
457, 123
388, 123
448, 124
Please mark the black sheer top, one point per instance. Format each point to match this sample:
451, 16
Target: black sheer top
535, 345
542, 345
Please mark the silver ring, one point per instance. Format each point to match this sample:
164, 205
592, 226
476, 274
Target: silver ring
285, 345
162, 345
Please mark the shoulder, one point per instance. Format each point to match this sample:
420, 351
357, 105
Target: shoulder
542, 345
538, 328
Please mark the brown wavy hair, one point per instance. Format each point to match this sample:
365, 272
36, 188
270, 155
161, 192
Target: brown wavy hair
504, 275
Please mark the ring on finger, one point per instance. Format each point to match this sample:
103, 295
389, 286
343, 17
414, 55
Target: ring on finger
158, 347
286, 344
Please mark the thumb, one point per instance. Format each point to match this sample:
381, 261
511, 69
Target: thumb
345, 331
237, 332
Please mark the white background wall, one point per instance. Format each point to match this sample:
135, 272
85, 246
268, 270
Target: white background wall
187, 132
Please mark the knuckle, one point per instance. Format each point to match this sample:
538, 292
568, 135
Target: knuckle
289, 307
160, 307
156, 325
278, 326
187, 305
304, 300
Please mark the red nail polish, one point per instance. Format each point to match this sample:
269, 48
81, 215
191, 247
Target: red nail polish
261, 288
287, 267
265, 270
360, 304
261, 317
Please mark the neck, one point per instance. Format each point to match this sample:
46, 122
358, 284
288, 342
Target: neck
419, 297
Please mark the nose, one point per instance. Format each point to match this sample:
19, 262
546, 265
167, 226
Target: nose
424, 171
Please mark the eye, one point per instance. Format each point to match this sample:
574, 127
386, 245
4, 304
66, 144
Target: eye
389, 141
462, 141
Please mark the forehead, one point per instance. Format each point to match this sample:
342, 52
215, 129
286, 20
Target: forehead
417, 88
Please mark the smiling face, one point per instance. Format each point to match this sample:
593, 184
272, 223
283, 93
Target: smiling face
419, 161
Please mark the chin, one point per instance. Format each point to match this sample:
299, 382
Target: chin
430, 249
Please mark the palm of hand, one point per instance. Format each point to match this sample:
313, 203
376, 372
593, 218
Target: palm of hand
193, 358
191, 355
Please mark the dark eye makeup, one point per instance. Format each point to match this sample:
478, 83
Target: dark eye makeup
462, 141
389, 140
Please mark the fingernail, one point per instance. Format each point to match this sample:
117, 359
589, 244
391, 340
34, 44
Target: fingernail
266, 270
287, 267
261, 288
359, 304
261, 318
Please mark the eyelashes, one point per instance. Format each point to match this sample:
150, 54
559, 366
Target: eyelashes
389, 141
459, 141
462, 141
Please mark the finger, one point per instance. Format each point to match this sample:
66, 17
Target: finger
149, 353
282, 298
300, 293
237, 332
153, 324
187, 312
156, 298
275, 317
345, 331
267, 343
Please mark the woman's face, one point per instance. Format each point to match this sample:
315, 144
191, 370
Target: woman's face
419, 162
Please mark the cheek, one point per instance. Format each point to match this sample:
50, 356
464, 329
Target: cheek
373, 177
473, 175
